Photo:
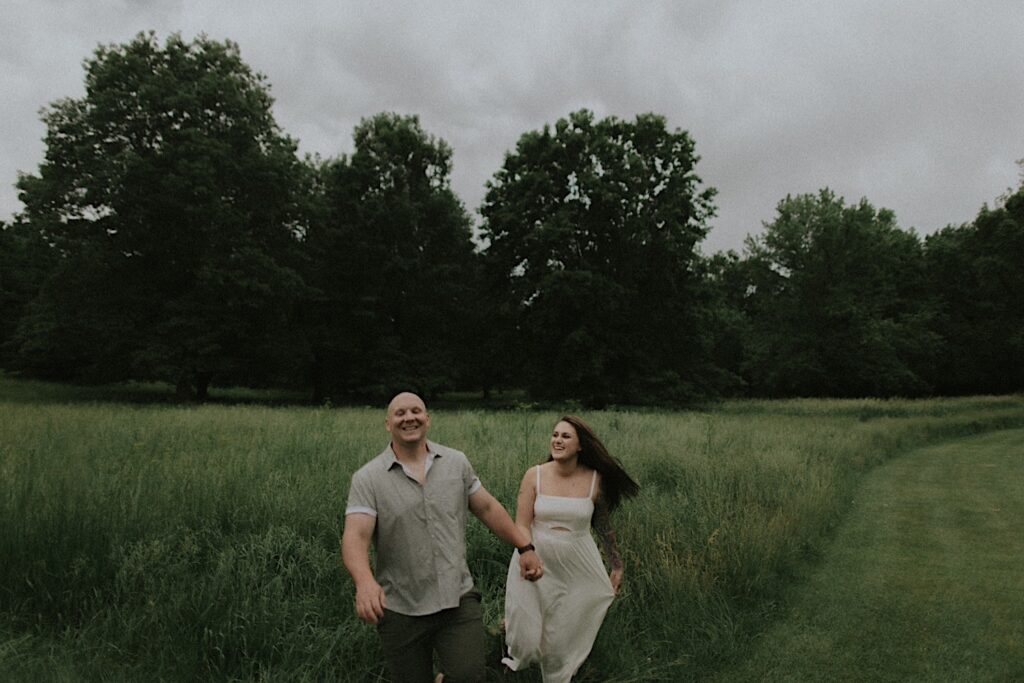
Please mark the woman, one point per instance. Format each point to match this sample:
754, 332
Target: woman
555, 620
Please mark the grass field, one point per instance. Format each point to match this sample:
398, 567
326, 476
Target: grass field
923, 581
152, 541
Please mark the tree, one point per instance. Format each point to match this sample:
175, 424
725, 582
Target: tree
975, 272
591, 232
838, 303
26, 260
173, 199
392, 263
726, 322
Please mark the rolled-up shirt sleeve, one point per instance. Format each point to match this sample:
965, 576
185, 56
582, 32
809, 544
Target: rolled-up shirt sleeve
361, 499
469, 478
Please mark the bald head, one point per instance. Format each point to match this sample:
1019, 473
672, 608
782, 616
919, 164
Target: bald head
407, 421
406, 398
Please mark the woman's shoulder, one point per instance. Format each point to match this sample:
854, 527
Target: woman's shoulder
596, 491
531, 473
591, 477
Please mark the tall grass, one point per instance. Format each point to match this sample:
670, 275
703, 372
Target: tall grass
183, 543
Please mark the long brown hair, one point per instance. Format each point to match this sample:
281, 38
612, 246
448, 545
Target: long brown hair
615, 483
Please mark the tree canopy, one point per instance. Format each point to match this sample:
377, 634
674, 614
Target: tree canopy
976, 271
591, 229
172, 233
839, 303
170, 191
26, 260
393, 264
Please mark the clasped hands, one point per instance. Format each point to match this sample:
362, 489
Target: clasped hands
530, 566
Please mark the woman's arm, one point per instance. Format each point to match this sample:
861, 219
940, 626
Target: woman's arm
524, 502
603, 527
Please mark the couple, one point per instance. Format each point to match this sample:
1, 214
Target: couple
411, 501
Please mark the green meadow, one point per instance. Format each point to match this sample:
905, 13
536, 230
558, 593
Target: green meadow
922, 581
143, 540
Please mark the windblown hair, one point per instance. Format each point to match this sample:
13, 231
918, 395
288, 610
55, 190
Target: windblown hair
615, 483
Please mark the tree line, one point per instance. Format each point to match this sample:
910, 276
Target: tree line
173, 233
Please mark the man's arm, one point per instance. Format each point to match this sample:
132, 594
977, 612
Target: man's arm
355, 554
496, 518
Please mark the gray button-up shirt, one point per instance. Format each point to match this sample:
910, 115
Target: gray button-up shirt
420, 534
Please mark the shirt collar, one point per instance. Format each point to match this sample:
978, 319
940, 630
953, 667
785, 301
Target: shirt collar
390, 459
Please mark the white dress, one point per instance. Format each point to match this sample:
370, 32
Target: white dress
555, 620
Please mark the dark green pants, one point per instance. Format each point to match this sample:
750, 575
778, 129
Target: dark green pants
456, 634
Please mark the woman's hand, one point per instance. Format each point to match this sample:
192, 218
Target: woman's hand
615, 576
530, 566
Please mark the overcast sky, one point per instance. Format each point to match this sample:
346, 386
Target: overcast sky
917, 105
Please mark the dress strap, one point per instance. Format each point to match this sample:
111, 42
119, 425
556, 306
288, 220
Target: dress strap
537, 467
593, 480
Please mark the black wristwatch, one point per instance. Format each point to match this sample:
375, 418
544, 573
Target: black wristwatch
526, 548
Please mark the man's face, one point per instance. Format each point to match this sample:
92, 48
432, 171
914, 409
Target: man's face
407, 420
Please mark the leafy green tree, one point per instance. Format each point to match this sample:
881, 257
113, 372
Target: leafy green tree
838, 303
976, 272
728, 281
26, 260
173, 198
392, 263
591, 231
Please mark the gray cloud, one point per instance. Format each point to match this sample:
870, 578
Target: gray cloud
915, 105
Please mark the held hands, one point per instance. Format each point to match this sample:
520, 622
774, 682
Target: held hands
615, 576
370, 602
530, 566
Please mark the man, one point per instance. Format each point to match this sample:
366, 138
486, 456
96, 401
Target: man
411, 500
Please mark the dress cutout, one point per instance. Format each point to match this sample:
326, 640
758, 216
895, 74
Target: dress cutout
554, 621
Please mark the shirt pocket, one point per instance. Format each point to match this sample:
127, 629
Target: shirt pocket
448, 496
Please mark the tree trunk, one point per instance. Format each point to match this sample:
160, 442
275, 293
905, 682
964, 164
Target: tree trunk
203, 380
316, 378
183, 390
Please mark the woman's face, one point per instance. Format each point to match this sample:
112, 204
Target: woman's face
565, 444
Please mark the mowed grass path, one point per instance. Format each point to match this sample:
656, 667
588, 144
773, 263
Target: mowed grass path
924, 581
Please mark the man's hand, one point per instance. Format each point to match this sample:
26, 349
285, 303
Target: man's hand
355, 554
530, 566
370, 602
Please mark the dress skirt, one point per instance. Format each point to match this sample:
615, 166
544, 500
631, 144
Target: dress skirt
553, 621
